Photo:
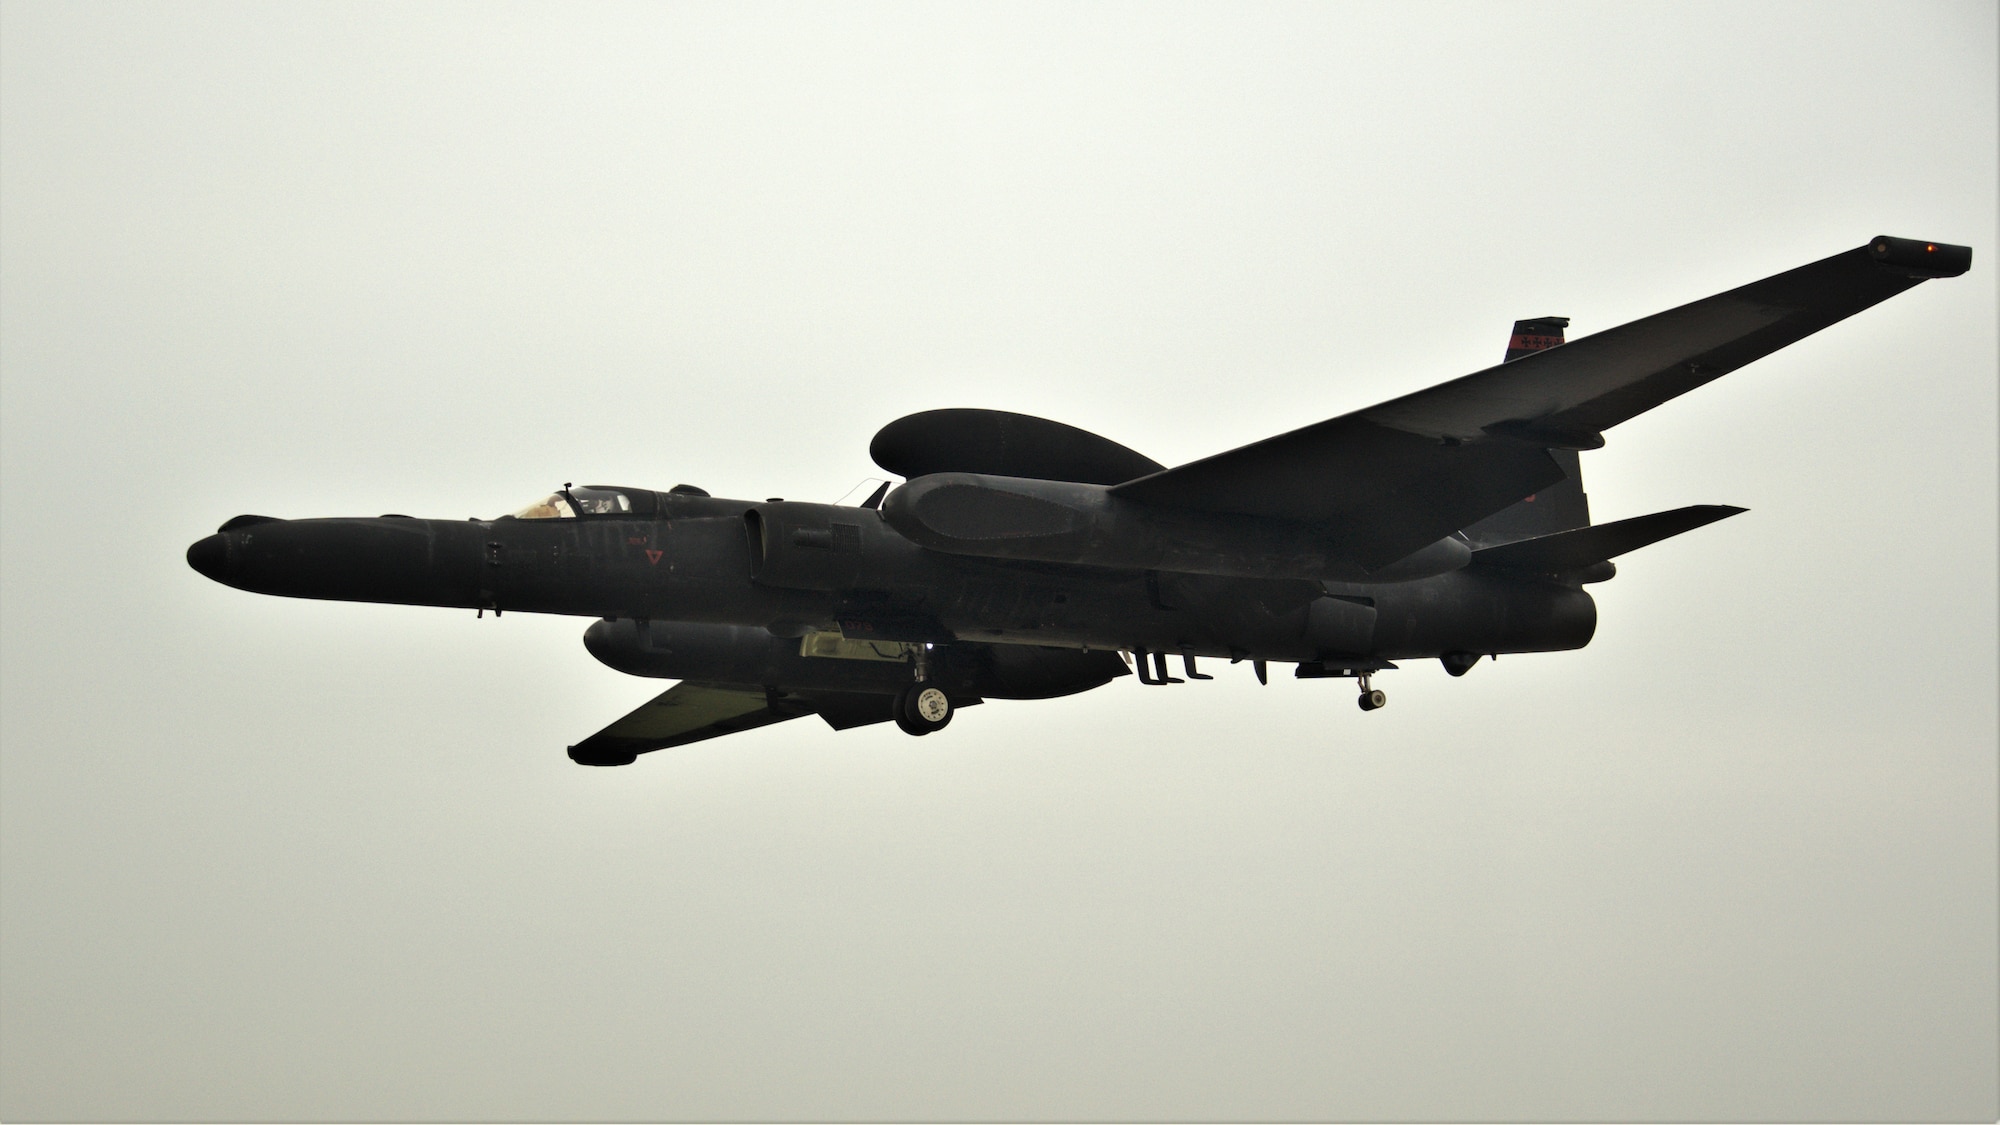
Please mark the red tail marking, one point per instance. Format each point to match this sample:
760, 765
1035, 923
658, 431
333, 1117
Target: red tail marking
1533, 343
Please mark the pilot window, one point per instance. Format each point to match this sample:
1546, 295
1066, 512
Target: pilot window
556, 507
571, 503
602, 502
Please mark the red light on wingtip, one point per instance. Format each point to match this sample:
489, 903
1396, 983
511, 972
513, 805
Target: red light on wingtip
1930, 248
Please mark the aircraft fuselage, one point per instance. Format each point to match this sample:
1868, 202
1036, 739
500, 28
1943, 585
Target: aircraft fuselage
701, 559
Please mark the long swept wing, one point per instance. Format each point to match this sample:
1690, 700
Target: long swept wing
684, 713
1396, 477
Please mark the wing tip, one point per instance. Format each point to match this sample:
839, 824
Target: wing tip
1920, 257
584, 755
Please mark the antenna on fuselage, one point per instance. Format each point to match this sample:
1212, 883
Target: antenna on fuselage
874, 499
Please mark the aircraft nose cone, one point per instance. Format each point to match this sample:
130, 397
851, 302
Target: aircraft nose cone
209, 557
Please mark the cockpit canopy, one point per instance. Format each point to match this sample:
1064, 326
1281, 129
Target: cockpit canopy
587, 502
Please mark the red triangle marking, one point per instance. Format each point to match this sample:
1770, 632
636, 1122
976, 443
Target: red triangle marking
654, 557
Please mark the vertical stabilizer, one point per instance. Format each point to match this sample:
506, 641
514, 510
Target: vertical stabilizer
1531, 336
1560, 506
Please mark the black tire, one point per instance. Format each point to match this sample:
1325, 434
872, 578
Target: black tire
1370, 700
923, 708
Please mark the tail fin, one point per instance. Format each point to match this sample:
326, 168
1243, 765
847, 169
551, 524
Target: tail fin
1535, 335
1560, 506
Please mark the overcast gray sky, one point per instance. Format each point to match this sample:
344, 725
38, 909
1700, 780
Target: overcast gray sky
275, 859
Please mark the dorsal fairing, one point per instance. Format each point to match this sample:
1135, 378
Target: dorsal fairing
1003, 444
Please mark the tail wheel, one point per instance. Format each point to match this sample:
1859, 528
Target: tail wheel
1370, 700
923, 708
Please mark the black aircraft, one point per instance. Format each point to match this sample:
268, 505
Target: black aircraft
1026, 559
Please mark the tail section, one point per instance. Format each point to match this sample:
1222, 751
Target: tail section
1585, 549
1559, 506
1550, 532
1531, 336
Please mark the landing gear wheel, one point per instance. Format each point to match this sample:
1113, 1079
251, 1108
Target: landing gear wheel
1370, 700
923, 708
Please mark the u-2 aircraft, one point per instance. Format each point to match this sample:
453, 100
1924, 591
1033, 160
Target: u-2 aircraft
1022, 558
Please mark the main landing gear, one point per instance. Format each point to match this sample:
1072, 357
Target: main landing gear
1371, 698
1358, 670
922, 708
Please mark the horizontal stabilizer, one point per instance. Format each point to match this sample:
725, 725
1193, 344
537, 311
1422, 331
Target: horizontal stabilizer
1585, 546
